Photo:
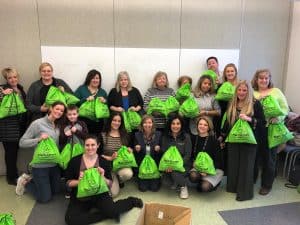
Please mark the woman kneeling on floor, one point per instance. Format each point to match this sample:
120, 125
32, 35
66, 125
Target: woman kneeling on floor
85, 208
206, 177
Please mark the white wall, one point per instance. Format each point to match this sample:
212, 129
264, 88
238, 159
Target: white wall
292, 83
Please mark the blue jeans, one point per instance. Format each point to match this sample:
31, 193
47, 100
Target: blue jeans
45, 182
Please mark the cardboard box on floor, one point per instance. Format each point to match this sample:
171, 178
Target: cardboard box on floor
161, 214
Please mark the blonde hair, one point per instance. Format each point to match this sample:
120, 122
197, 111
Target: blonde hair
208, 121
158, 75
120, 74
144, 118
255, 78
247, 107
7, 71
224, 72
44, 64
197, 90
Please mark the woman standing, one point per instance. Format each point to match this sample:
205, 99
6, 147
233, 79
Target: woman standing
147, 142
160, 89
175, 136
205, 97
79, 210
38, 91
113, 137
12, 127
263, 87
124, 96
90, 90
45, 179
206, 142
241, 156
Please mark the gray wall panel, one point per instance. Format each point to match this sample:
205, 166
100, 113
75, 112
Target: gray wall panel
264, 39
211, 24
76, 23
19, 39
147, 23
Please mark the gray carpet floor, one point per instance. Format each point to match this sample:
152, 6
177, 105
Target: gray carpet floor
51, 213
283, 214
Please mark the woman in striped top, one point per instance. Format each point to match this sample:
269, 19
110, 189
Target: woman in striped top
112, 139
160, 89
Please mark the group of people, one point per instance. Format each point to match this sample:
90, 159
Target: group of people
103, 138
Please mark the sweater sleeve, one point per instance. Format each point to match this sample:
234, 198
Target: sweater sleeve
31, 95
147, 99
31, 136
113, 98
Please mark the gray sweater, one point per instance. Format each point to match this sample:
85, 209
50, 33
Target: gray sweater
31, 137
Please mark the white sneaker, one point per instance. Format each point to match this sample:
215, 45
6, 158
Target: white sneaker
22, 180
184, 193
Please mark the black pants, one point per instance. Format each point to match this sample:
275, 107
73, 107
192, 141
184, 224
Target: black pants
11, 154
149, 184
241, 160
266, 159
79, 212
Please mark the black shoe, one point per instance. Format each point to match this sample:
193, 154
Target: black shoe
136, 202
121, 185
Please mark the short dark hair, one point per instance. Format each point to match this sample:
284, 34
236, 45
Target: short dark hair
174, 116
72, 107
212, 57
91, 74
92, 136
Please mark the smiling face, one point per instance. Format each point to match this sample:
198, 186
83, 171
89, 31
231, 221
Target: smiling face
116, 122
46, 73
95, 81
203, 127
176, 126
123, 81
205, 85
212, 64
242, 92
161, 81
12, 79
230, 73
147, 125
57, 111
91, 146
72, 115
263, 80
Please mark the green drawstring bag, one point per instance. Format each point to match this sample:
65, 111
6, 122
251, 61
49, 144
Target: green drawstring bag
278, 134
213, 76
225, 92
148, 169
189, 108
70, 99
271, 107
54, 94
183, 92
92, 183
156, 105
46, 152
134, 119
87, 110
125, 159
7, 219
205, 164
126, 122
65, 156
171, 159
171, 105
241, 132
11, 105
70, 152
101, 109
78, 149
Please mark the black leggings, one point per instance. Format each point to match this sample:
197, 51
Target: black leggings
79, 212
11, 154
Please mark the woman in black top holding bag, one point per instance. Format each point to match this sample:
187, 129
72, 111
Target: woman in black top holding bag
12, 127
79, 209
